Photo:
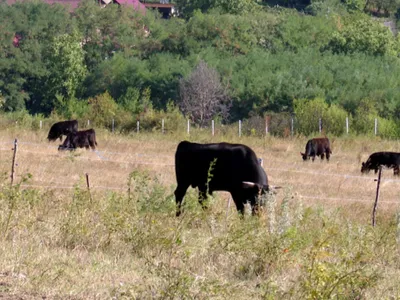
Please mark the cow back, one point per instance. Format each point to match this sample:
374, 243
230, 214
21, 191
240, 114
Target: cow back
222, 165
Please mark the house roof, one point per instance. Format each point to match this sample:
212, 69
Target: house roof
159, 5
73, 4
135, 3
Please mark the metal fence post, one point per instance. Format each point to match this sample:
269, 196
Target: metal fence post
212, 127
137, 126
320, 125
376, 126
292, 126
188, 126
240, 128
347, 125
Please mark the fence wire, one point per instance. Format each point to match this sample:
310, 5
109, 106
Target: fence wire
104, 156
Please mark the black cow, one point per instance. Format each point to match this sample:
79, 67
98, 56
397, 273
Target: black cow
59, 129
317, 147
219, 167
79, 139
377, 159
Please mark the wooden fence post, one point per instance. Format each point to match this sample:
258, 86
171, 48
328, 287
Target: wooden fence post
137, 126
162, 126
376, 126
212, 127
13, 161
41, 124
88, 186
347, 125
240, 128
188, 126
112, 125
377, 196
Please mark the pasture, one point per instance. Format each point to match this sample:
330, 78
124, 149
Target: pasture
121, 240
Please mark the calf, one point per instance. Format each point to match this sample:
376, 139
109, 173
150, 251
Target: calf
377, 159
317, 147
80, 139
59, 129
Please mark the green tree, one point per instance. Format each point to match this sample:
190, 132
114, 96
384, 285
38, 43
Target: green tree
109, 30
236, 6
188, 7
22, 48
65, 62
364, 35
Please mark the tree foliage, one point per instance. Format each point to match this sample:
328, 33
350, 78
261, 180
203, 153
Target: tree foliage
364, 35
264, 57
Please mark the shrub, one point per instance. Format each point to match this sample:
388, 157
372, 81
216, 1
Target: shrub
308, 113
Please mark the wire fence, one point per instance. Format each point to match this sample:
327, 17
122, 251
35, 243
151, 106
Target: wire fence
276, 124
138, 159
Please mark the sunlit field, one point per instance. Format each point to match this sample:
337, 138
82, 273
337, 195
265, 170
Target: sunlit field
121, 239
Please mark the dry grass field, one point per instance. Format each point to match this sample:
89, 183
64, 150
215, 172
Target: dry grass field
313, 241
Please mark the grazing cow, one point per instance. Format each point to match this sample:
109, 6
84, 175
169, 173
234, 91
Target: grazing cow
219, 167
86, 138
317, 147
377, 159
59, 129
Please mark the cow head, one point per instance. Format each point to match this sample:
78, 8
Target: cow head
364, 168
53, 135
304, 156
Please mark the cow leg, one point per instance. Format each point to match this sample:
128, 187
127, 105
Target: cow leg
313, 157
328, 154
322, 156
239, 203
179, 194
203, 196
396, 170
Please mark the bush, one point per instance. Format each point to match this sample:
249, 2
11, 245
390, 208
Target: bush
308, 114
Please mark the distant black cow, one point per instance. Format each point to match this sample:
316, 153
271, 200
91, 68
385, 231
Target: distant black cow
317, 147
387, 159
59, 129
219, 167
80, 139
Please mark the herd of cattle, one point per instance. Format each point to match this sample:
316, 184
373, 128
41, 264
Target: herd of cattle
234, 168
